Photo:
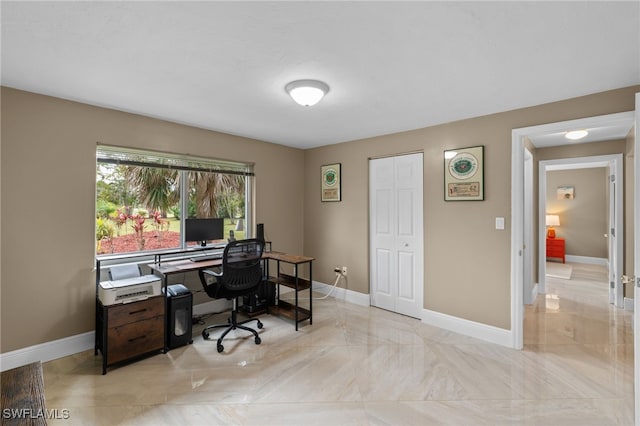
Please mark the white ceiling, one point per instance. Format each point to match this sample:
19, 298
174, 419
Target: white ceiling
391, 66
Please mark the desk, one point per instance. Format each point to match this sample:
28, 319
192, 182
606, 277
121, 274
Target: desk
292, 311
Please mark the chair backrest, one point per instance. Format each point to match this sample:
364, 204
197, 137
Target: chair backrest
241, 268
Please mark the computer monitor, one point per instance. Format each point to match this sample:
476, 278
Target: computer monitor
203, 230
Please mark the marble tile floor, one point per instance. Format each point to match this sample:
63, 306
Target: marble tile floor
365, 366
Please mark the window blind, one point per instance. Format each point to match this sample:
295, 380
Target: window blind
135, 157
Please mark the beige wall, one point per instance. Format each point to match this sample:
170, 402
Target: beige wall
48, 203
48, 179
583, 219
466, 261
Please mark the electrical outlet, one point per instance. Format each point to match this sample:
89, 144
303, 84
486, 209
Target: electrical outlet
344, 271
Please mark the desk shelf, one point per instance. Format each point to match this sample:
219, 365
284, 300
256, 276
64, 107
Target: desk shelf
290, 281
288, 310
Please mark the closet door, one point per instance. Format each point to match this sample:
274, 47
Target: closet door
396, 233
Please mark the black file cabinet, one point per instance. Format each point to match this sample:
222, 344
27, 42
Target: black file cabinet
179, 316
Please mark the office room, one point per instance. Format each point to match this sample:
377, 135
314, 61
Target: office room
433, 332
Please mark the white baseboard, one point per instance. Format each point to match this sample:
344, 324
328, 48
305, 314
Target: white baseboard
341, 293
480, 331
82, 342
47, 351
534, 294
79, 343
485, 332
628, 304
588, 260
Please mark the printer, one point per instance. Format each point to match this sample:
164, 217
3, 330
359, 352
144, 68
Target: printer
127, 284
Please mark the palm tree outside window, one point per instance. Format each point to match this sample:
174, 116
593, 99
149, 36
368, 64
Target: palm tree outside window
140, 196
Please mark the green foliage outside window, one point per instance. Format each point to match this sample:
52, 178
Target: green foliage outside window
138, 207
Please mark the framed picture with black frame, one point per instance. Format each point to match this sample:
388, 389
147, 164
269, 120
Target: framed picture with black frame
331, 182
464, 174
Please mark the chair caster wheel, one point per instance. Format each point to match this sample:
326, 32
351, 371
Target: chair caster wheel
260, 324
205, 335
220, 348
258, 340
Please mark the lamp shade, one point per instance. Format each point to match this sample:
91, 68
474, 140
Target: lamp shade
553, 220
307, 92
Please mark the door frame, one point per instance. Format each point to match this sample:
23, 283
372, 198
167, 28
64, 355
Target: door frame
615, 164
636, 260
519, 138
530, 289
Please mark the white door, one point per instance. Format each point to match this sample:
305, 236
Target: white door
636, 259
396, 233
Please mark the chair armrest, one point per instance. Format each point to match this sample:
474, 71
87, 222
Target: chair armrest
212, 273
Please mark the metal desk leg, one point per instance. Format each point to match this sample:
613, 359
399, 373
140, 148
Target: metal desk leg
295, 268
310, 294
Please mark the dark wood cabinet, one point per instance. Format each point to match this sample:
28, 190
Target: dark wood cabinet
129, 330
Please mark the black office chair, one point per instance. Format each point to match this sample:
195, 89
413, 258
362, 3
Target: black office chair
241, 275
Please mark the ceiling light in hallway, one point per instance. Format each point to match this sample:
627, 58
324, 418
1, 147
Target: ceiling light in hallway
576, 134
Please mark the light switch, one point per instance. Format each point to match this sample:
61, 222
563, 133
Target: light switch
499, 222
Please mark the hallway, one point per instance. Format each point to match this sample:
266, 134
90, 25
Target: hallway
577, 337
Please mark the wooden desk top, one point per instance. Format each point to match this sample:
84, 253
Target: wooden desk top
289, 258
186, 265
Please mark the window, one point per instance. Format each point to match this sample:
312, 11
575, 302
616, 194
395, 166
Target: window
141, 197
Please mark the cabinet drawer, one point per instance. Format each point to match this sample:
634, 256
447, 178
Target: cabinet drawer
136, 338
137, 311
554, 253
555, 245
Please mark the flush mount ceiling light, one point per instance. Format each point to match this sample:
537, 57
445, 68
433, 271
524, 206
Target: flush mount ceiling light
307, 92
576, 134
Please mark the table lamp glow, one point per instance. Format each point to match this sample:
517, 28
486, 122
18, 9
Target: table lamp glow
551, 221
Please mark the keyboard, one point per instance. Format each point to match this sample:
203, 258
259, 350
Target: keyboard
205, 258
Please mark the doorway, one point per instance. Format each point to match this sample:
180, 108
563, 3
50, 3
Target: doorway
615, 233
622, 122
396, 233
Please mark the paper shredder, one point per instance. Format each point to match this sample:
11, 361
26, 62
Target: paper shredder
179, 313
